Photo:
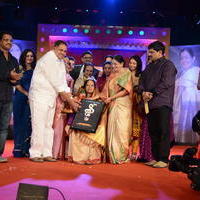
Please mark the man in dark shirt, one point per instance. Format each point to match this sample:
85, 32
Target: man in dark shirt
157, 87
8, 76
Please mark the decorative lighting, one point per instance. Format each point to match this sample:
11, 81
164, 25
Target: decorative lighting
97, 31
86, 31
108, 31
64, 30
75, 30
119, 32
130, 32
42, 39
141, 33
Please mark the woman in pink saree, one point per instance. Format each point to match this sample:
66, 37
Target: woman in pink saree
60, 120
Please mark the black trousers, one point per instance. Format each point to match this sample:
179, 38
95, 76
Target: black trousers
159, 131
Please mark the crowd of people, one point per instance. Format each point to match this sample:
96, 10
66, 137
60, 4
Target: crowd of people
136, 124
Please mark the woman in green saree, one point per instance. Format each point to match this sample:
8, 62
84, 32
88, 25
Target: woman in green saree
119, 97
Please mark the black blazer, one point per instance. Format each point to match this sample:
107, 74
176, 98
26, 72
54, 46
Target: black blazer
76, 71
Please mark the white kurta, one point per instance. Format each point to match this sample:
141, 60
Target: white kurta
49, 78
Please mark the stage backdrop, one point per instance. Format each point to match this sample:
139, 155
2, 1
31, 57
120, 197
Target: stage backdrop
102, 41
187, 96
20, 45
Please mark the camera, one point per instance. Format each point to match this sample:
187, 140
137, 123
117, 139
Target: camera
187, 164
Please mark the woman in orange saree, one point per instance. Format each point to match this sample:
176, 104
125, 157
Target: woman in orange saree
135, 66
119, 97
87, 148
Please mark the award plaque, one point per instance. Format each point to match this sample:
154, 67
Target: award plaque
88, 116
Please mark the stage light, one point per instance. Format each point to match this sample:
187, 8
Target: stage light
75, 30
119, 32
141, 33
164, 33
86, 10
64, 30
95, 11
56, 8
86, 31
41, 49
42, 39
130, 32
121, 12
97, 31
154, 12
108, 31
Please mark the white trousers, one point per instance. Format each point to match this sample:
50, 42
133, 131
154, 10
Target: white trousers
42, 116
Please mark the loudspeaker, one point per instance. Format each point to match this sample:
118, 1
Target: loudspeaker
32, 192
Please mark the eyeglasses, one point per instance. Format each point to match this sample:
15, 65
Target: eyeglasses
87, 57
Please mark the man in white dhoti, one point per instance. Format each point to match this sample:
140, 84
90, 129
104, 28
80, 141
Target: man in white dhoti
48, 81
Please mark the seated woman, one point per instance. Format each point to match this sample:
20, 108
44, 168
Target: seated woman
87, 74
86, 148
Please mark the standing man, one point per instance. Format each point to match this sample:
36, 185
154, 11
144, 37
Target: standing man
49, 81
8, 65
77, 71
157, 87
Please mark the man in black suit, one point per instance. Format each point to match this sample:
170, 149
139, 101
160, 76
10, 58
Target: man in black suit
86, 57
8, 77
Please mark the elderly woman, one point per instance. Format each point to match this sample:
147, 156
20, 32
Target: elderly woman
87, 148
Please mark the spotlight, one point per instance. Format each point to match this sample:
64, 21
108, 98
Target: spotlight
121, 12
95, 11
86, 10
64, 30
97, 31
141, 33
78, 10
108, 31
130, 32
119, 32
86, 31
56, 8
75, 30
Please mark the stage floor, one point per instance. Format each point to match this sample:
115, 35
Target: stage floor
100, 182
